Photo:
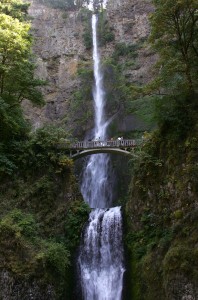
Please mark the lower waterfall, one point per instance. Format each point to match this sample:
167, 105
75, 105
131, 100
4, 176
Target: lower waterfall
101, 256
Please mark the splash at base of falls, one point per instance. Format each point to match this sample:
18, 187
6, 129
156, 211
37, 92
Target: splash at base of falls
101, 256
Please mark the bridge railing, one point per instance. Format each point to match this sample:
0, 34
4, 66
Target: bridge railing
102, 144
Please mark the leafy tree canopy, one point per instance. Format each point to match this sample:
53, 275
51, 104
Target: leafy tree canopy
17, 81
174, 89
15, 8
175, 37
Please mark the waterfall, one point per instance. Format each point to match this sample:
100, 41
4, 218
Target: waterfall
100, 260
101, 256
96, 185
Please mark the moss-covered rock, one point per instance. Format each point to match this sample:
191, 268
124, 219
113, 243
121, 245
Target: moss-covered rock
162, 219
41, 218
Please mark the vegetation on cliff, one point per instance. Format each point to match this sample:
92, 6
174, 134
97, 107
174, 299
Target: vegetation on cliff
42, 211
17, 81
163, 198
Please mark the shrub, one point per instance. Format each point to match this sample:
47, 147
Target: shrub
54, 256
76, 218
20, 223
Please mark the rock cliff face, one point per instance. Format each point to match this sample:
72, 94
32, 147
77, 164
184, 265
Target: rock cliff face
59, 50
58, 46
11, 288
130, 20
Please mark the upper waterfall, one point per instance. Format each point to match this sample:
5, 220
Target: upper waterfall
100, 128
97, 183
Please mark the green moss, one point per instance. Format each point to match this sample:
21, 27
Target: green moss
178, 214
162, 238
181, 259
122, 49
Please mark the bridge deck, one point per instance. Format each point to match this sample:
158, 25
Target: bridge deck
103, 144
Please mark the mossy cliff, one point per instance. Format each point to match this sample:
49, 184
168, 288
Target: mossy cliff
41, 218
162, 214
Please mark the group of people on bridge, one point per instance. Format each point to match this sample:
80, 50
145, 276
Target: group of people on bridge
97, 139
118, 143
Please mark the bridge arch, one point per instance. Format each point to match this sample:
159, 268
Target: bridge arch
87, 152
84, 148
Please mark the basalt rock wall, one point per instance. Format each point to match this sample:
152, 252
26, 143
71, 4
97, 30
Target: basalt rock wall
59, 51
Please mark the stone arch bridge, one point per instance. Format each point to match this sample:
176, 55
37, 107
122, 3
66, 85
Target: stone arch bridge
81, 149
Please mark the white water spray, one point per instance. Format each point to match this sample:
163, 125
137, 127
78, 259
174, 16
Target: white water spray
101, 256
100, 261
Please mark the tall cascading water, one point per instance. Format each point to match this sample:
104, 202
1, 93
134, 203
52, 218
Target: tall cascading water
96, 184
101, 258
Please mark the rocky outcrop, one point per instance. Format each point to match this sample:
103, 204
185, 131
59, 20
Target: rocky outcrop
12, 289
180, 288
130, 20
58, 47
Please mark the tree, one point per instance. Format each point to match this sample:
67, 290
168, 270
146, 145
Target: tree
175, 37
174, 89
17, 81
15, 8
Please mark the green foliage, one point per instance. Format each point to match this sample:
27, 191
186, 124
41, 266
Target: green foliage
82, 99
144, 108
164, 239
174, 28
117, 90
178, 214
43, 150
153, 233
6, 165
105, 32
19, 233
164, 166
44, 189
122, 49
54, 256
17, 80
87, 38
49, 136
12, 123
38, 152
174, 36
175, 115
136, 102
40, 245
15, 8
77, 215
182, 259
21, 223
